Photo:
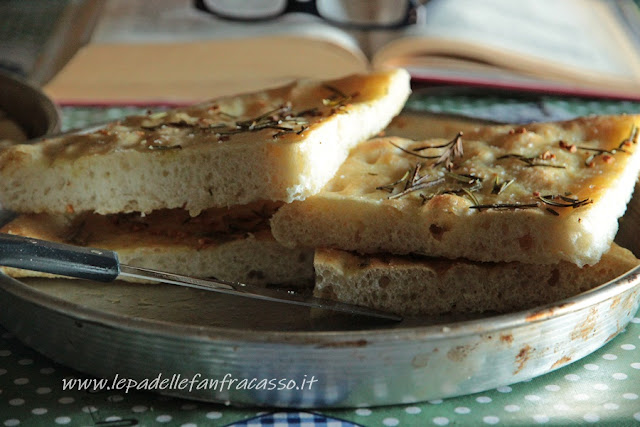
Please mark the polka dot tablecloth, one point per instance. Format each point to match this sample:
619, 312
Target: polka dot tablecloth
601, 389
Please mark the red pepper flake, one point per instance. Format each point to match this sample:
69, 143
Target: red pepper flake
607, 158
536, 194
70, 209
204, 242
569, 147
547, 155
519, 130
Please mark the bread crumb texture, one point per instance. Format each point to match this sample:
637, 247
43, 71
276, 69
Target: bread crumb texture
412, 285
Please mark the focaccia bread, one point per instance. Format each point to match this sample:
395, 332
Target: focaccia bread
230, 244
282, 144
412, 285
538, 194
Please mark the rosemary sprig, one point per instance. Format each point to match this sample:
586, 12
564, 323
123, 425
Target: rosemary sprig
531, 161
499, 187
390, 187
453, 150
416, 187
560, 201
506, 206
632, 139
337, 97
156, 147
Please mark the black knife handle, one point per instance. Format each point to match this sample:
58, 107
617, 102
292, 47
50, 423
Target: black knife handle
58, 258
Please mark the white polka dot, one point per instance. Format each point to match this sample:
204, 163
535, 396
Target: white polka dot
504, 389
39, 411
490, 419
552, 387
113, 419
390, 422
630, 396
3, 371
47, 371
25, 362
163, 418
541, 418
62, 420
462, 410
619, 376
214, 415
591, 418
43, 390
636, 416
581, 396
138, 409
412, 410
89, 409
5, 353
635, 320
16, 402
66, 400
435, 402
609, 356
571, 377
628, 347
189, 425
512, 408
115, 398
363, 412
561, 407
532, 397
591, 367
611, 406
12, 422
635, 365
21, 381
483, 399
441, 421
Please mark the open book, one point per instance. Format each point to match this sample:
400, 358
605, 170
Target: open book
168, 51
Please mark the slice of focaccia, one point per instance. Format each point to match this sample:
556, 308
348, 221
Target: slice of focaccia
230, 244
536, 194
282, 144
436, 286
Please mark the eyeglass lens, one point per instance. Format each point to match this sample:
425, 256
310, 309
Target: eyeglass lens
358, 12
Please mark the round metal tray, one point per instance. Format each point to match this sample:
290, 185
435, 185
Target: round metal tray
140, 331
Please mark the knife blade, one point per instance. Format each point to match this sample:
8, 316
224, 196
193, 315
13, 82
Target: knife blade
104, 266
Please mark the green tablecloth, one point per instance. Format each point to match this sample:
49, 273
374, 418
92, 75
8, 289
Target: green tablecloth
603, 388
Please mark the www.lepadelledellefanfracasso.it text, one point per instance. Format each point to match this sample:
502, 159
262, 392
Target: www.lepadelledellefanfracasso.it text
184, 383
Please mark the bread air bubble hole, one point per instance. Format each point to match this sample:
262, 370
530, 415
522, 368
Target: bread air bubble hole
372, 157
336, 187
384, 281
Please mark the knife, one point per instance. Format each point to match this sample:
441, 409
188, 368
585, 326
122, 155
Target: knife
103, 266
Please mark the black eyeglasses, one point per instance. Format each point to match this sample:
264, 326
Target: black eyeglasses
356, 14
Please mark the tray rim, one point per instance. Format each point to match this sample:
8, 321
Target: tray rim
444, 331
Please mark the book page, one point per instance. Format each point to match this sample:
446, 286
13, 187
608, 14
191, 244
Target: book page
561, 40
166, 51
176, 21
